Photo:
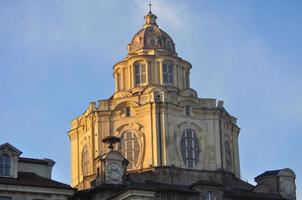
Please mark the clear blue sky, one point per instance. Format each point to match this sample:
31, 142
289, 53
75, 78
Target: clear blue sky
57, 56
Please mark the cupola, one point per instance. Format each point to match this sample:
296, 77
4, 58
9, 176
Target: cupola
151, 37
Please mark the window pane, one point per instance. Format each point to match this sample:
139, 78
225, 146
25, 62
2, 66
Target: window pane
143, 73
129, 147
5, 165
187, 80
168, 73
189, 148
137, 74
165, 68
171, 78
143, 69
170, 68
85, 160
187, 110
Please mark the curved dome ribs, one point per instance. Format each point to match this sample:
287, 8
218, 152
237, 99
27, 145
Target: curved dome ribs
151, 37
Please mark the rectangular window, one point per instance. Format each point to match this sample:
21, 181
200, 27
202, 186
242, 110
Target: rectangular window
168, 73
127, 111
137, 74
140, 73
188, 110
187, 80
119, 81
143, 73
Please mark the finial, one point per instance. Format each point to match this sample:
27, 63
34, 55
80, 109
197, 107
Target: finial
150, 18
150, 6
111, 140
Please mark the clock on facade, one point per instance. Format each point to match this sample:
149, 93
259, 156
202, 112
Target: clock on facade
114, 172
114, 164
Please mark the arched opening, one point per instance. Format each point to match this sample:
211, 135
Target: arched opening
190, 149
130, 148
85, 160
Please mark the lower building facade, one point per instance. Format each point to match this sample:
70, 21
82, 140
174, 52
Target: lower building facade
28, 178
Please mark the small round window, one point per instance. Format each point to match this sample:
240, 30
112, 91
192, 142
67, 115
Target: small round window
130, 148
190, 149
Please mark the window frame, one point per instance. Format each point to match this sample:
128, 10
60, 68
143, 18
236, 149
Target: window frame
210, 195
140, 73
168, 73
127, 111
127, 147
85, 160
5, 165
188, 111
187, 81
191, 148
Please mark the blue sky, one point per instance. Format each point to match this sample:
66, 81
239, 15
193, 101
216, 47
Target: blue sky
57, 56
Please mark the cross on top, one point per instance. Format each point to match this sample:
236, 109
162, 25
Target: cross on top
150, 5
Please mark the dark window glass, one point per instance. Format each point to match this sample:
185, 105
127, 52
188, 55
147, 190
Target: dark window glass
130, 148
119, 81
210, 196
189, 148
188, 110
5, 165
137, 74
140, 73
143, 73
168, 73
128, 111
187, 80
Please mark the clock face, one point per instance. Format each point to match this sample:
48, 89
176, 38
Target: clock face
114, 171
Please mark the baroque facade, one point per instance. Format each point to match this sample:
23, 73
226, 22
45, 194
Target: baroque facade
159, 117
168, 134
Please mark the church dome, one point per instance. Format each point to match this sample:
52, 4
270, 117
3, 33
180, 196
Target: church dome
151, 37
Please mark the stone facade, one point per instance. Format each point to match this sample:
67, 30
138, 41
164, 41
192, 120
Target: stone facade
179, 146
28, 178
158, 106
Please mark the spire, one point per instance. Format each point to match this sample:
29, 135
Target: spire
150, 6
150, 18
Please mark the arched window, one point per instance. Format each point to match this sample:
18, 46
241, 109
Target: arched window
130, 148
85, 160
190, 149
139, 73
5, 165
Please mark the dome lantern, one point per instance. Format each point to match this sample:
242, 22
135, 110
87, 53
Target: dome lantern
150, 19
151, 37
